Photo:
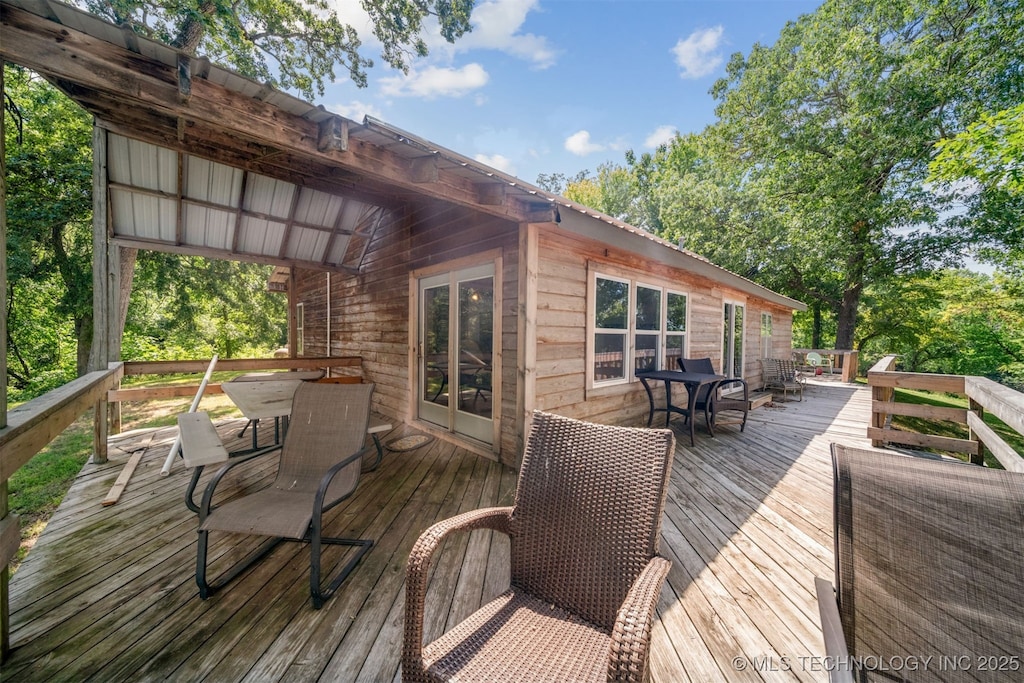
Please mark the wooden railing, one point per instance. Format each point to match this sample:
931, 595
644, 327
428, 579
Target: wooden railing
844, 361
30, 427
117, 394
982, 394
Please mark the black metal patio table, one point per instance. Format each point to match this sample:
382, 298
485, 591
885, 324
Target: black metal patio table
693, 381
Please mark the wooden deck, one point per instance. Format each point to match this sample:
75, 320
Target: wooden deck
108, 593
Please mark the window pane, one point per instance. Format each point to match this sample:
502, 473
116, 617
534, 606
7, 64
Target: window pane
673, 351
609, 356
646, 357
675, 320
648, 308
612, 305
737, 360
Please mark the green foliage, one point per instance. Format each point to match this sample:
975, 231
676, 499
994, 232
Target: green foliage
49, 239
990, 151
952, 322
287, 43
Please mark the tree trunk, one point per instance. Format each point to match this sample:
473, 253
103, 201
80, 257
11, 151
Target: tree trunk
124, 294
83, 335
816, 325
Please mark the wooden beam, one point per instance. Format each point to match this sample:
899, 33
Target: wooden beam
333, 135
424, 169
171, 367
491, 194
184, 78
10, 539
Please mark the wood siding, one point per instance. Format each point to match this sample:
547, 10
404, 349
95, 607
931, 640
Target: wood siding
565, 262
370, 314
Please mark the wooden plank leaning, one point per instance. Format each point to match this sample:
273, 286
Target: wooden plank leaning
195, 404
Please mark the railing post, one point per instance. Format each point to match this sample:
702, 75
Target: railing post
975, 407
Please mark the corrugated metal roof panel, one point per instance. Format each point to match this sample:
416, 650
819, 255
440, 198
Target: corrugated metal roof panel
142, 216
260, 236
211, 182
306, 244
269, 196
207, 227
319, 208
140, 164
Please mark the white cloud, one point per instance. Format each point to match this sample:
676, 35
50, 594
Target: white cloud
580, 144
356, 110
496, 26
432, 81
698, 54
497, 161
660, 136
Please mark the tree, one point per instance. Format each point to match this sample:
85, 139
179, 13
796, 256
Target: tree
49, 242
836, 122
983, 167
288, 43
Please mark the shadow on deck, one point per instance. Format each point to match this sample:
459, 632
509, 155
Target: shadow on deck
109, 594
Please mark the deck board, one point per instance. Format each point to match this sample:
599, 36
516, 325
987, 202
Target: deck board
108, 593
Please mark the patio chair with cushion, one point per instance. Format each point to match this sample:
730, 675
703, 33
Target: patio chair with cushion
320, 465
782, 375
585, 570
732, 402
928, 570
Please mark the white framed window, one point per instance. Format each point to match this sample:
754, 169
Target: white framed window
634, 326
647, 324
611, 329
766, 335
732, 339
675, 328
300, 325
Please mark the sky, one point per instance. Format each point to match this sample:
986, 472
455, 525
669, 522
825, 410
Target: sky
561, 86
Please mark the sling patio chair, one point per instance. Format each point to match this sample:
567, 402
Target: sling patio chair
929, 570
719, 403
781, 375
319, 468
585, 570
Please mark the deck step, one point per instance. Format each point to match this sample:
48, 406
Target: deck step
760, 398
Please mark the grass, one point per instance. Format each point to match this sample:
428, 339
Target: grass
38, 487
949, 428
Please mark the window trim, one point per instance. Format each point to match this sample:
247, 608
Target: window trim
601, 271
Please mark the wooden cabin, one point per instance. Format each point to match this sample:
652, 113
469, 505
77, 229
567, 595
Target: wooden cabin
555, 315
472, 297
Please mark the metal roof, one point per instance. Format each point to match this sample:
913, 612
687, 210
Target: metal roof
215, 208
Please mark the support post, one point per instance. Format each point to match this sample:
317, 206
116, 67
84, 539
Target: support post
106, 275
5, 616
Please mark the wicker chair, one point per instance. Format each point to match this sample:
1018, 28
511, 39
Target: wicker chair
928, 565
719, 403
782, 375
585, 574
320, 465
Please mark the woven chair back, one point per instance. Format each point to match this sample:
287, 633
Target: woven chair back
786, 370
327, 424
587, 515
703, 366
928, 561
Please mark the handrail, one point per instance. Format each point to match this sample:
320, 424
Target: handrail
34, 424
117, 395
982, 394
